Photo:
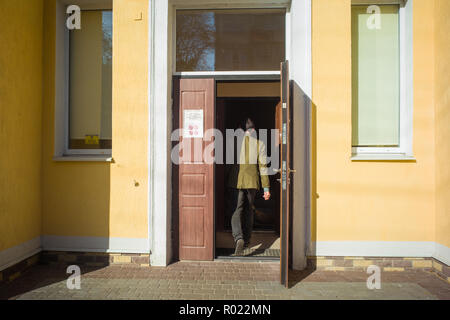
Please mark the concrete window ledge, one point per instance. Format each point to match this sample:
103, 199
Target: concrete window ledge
382, 157
84, 158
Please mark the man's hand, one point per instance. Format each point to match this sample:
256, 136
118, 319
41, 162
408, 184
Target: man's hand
266, 195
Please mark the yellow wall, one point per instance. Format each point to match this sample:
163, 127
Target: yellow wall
376, 200
103, 199
442, 100
129, 175
20, 120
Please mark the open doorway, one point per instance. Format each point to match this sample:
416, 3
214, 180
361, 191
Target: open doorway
236, 100
200, 106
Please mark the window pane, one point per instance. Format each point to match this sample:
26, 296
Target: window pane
230, 40
91, 82
375, 77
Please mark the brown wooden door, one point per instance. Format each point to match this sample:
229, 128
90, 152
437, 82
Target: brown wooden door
196, 177
285, 173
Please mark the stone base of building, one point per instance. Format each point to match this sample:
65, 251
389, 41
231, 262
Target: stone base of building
91, 259
387, 264
94, 259
13, 272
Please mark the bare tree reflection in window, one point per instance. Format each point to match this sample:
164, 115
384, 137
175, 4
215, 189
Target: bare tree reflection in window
106, 118
107, 37
195, 41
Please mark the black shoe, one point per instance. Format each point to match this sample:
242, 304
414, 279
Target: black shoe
239, 251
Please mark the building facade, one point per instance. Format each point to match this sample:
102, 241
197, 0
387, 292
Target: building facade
369, 123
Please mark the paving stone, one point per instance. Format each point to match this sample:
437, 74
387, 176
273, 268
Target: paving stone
210, 281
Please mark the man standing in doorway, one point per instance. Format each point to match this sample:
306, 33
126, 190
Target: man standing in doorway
245, 179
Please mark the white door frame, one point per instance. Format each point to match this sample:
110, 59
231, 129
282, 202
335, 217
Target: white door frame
161, 69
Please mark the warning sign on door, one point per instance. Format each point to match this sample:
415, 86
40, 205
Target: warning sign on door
193, 124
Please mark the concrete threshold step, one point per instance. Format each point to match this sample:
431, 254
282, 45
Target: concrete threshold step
249, 254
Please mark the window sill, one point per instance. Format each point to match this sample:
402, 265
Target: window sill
83, 158
381, 157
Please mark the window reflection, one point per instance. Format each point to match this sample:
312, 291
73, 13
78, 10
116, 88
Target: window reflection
230, 40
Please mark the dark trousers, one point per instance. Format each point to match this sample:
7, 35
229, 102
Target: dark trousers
242, 219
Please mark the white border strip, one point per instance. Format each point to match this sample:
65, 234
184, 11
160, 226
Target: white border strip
300, 66
16, 254
151, 117
442, 253
95, 244
160, 108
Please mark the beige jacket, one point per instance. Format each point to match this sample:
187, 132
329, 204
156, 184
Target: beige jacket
252, 166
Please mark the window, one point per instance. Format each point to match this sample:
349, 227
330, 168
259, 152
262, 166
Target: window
90, 83
381, 82
230, 40
376, 78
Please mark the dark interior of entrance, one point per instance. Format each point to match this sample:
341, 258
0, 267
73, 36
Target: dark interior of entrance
235, 102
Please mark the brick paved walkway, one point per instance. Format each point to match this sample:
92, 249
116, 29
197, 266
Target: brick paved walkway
219, 280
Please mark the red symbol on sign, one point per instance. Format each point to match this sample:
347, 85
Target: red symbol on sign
193, 130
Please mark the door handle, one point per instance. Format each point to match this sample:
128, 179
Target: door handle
290, 170
288, 180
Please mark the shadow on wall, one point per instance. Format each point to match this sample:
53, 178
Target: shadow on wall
303, 182
303, 185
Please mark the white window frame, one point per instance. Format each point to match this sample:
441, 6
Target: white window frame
405, 149
247, 75
62, 152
